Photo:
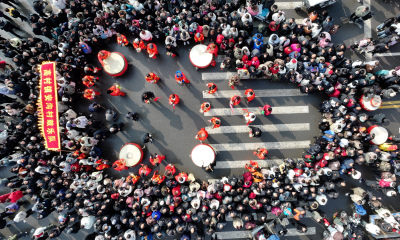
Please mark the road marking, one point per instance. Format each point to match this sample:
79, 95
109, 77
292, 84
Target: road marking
211, 76
288, 5
241, 163
273, 216
368, 27
391, 54
390, 102
255, 145
256, 110
389, 106
291, 232
259, 93
295, 127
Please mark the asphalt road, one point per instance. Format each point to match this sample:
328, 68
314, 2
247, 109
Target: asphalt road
174, 131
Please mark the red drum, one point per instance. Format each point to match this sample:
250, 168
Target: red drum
199, 57
115, 64
203, 155
371, 104
381, 134
132, 153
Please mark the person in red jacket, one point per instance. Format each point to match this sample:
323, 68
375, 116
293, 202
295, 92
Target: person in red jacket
205, 107
216, 122
152, 50
180, 78
115, 90
121, 40
250, 95
89, 80
173, 100
266, 110
156, 160
90, 94
261, 153
139, 45
199, 38
152, 78
235, 100
201, 135
212, 88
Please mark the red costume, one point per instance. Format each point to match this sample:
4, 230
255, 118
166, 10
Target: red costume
266, 110
199, 38
173, 100
205, 107
215, 121
250, 95
261, 153
152, 78
180, 78
156, 160
132, 178
202, 135
102, 55
90, 94
212, 88
121, 40
120, 165
115, 90
157, 178
252, 166
152, 50
89, 80
144, 170
170, 170
139, 45
213, 49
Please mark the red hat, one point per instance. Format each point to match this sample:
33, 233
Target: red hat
252, 195
115, 196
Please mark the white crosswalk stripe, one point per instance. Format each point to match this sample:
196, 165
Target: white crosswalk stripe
267, 145
291, 232
259, 93
288, 5
212, 76
264, 128
242, 163
257, 111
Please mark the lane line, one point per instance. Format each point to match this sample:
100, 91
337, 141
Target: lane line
390, 102
242, 163
389, 106
268, 145
294, 127
391, 54
256, 110
291, 232
259, 93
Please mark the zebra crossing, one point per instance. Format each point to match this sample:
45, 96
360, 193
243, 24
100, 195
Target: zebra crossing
286, 130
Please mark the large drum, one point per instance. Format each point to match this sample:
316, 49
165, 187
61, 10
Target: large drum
370, 104
114, 63
203, 155
132, 154
380, 134
199, 57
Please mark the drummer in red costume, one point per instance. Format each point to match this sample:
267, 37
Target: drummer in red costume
266, 110
250, 95
213, 49
152, 78
90, 94
144, 170
102, 55
115, 90
157, 178
199, 38
156, 160
173, 100
216, 122
170, 171
212, 88
121, 40
235, 100
261, 153
139, 45
152, 50
205, 107
180, 78
89, 80
201, 135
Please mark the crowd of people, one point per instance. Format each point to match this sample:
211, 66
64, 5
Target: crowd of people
78, 185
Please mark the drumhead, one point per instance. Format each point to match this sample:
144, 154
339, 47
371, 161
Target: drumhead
381, 135
203, 155
114, 64
199, 57
131, 153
